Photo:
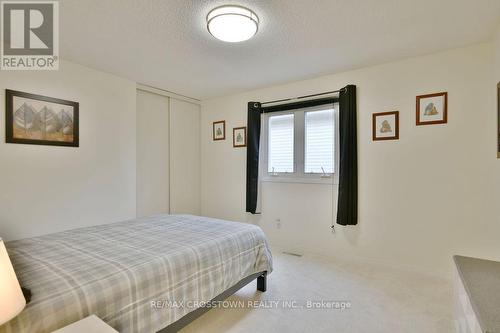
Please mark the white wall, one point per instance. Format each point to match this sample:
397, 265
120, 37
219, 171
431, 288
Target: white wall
46, 189
153, 155
496, 43
496, 79
432, 194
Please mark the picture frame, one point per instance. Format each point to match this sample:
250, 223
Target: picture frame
239, 137
432, 109
219, 130
40, 120
385, 126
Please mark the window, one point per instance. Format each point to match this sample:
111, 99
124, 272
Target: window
300, 145
319, 141
281, 143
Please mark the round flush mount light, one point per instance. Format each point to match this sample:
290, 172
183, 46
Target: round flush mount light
232, 23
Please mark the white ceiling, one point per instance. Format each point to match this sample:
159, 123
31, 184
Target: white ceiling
165, 44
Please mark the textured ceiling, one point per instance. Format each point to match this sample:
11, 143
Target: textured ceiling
165, 44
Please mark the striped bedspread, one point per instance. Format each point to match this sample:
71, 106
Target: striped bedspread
118, 271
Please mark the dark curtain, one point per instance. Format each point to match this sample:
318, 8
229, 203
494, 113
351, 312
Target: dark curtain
253, 141
347, 209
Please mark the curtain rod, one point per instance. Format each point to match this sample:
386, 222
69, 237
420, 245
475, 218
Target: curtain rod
302, 97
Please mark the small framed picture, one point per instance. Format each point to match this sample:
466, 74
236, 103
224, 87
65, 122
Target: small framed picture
432, 109
219, 130
40, 120
239, 137
385, 126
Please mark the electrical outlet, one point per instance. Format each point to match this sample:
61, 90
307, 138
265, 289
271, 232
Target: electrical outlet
278, 223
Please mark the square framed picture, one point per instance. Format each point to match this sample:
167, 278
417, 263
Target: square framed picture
385, 126
239, 137
219, 130
40, 120
432, 109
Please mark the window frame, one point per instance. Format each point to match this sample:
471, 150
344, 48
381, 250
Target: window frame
299, 175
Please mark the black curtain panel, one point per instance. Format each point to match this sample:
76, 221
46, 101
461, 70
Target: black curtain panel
347, 209
253, 124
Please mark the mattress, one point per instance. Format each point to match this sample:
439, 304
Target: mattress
138, 276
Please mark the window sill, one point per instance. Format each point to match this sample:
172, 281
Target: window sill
300, 180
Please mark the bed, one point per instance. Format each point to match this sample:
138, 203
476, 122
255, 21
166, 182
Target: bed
143, 275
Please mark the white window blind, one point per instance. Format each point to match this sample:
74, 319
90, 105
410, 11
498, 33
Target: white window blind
319, 141
281, 140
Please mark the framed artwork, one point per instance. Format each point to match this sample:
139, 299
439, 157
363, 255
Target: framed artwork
219, 130
40, 120
432, 109
498, 120
239, 137
385, 126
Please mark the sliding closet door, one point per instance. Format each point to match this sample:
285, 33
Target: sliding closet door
152, 154
185, 157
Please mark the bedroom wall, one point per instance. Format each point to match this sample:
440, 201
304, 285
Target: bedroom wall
432, 194
497, 54
47, 189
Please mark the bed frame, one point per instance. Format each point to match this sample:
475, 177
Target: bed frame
193, 315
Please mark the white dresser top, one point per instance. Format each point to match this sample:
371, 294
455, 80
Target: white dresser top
90, 324
481, 280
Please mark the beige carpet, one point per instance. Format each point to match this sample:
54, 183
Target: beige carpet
381, 300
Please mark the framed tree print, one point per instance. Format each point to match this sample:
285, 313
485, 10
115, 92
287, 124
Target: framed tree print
385, 126
239, 137
432, 109
219, 130
40, 120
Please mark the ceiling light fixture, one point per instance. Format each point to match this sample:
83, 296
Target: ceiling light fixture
232, 23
